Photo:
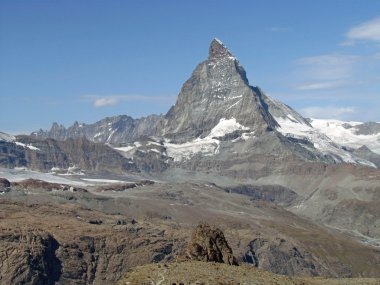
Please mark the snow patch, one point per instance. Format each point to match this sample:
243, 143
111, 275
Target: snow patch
29, 146
153, 143
293, 128
336, 131
21, 173
6, 137
225, 127
125, 148
206, 146
103, 180
234, 104
246, 136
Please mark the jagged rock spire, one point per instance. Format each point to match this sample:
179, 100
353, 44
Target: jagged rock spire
218, 49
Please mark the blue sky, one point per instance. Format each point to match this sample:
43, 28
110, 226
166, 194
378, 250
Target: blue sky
62, 61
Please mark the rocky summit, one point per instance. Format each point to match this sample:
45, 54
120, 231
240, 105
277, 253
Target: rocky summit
218, 89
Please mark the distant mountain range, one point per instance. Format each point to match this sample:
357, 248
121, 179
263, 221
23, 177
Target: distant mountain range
218, 97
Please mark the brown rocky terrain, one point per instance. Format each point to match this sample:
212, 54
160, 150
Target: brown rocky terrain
202, 273
44, 244
96, 237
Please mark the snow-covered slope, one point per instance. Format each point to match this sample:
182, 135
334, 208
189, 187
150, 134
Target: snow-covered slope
348, 133
207, 146
6, 137
291, 127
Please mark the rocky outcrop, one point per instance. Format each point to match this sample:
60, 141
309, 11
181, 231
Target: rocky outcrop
282, 257
209, 244
4, 184
28, 258
12, 155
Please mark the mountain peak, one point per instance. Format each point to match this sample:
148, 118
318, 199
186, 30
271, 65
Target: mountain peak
218, 49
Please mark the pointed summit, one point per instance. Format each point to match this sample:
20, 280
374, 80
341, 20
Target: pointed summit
218, 49
218, 89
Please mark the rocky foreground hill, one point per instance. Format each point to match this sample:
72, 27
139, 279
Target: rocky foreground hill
57, 234
194, 272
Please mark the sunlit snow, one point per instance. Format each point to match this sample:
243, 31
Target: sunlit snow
336, 132
31, 147
292, 128
206, 146
6, 137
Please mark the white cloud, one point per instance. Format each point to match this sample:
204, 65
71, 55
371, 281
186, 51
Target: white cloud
321, 85
327, 112
110, 100
329, 66
367, 31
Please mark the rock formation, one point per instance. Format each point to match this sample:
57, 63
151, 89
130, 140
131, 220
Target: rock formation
209, 244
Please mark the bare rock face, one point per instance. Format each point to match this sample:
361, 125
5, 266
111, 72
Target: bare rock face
29, 258
282, 257
209, 244
65, 244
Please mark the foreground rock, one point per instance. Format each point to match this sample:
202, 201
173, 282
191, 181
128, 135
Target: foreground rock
209, 244
28, 257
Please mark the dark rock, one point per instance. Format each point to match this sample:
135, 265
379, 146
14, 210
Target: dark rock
281, 257
273, 193
209, 244
5, 185
32, 259
96, 222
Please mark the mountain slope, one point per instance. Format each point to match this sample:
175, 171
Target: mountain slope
217, 89
69, 156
